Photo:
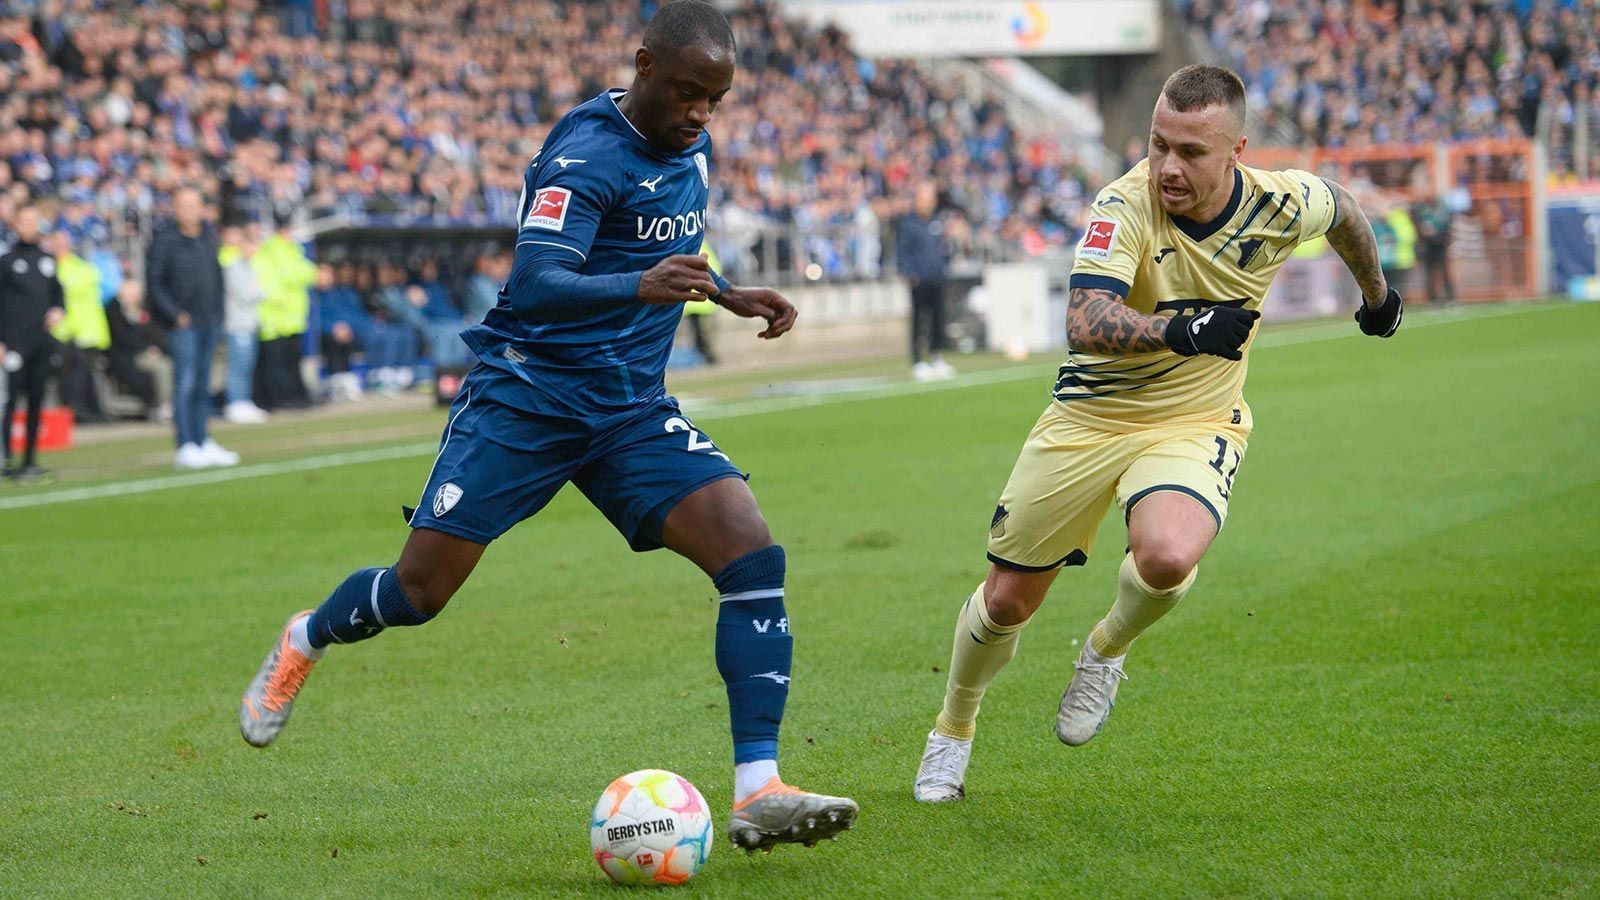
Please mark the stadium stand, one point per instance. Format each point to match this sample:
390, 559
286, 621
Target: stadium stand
427, 112
1337, 73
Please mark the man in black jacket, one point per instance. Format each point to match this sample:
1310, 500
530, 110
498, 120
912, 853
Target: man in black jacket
185, 292
919, 248
30, 305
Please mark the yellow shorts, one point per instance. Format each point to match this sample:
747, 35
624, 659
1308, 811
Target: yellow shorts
1069, 472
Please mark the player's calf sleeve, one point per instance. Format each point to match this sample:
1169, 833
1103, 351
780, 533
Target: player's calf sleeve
754, 650
366, 603
1138, 606
982, 648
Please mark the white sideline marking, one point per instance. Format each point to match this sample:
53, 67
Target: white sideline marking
1330, 331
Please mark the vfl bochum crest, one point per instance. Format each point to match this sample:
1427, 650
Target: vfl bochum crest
445, 499
700, 163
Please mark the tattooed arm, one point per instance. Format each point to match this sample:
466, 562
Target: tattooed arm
1099, 322
1352, 238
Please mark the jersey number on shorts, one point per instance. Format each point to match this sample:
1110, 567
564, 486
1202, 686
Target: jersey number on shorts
1227, 477
696, 443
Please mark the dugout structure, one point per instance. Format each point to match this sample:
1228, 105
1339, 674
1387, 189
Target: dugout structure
1498, 248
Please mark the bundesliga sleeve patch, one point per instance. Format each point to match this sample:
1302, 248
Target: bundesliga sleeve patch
549, 209
1099, 240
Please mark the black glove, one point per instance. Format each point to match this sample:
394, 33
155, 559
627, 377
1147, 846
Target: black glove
1383, 321
1219, 331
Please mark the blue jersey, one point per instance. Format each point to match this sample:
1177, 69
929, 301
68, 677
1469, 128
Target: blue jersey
597, 200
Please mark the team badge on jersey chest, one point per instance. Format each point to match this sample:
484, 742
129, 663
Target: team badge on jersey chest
705, 172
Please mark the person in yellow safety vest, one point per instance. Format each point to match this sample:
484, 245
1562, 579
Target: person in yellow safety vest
696, 313
83, 331
1405, 247
285, 275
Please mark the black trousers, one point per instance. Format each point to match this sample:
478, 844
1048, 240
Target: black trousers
277, 382
125, 370
1436, 266
927, 319
28, 382
77, 383
336, 355
702, 338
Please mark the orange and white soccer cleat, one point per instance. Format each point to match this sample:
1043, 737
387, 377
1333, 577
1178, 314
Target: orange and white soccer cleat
780, 814
267, 701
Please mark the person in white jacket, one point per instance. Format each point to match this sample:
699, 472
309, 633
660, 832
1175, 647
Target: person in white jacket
242, 293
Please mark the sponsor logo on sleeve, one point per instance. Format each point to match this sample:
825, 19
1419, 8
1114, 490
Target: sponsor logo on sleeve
549, 209
1099, 240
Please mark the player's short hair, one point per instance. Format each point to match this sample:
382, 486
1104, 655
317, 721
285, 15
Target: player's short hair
688, 23
1199, 87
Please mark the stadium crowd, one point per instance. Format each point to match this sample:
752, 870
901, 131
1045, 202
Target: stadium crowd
429, 112
1340, 73
425, 114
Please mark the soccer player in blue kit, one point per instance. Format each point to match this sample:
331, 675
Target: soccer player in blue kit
569, 387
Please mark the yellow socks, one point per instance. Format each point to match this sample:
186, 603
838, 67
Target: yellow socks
981, 650
1138, 606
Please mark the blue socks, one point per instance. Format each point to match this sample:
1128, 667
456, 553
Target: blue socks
754, 651
365, 604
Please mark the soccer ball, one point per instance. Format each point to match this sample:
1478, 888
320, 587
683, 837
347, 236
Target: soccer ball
650, 827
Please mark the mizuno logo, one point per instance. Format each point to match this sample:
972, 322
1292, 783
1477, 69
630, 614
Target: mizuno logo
781, 679
563, 162
1164, 253
650, 183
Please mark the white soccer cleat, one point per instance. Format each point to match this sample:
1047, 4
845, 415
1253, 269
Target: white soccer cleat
943, 774
267, 702
1089, 698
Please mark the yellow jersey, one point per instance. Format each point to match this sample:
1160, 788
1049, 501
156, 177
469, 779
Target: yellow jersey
1165, 265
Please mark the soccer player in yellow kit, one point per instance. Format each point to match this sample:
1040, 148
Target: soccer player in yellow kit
1148, 409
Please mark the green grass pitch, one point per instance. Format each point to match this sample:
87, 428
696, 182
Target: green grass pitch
1385, 683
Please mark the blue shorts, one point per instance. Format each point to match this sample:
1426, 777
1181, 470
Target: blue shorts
500, 461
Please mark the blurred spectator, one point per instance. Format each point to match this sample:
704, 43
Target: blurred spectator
241, 321
346, 330
83, 332
483, 288
1398, 272
30, 305
138, 359
286, 276
186, 294
1433, 248
442, 320
698, 315
401, 305
391, 345
923, 261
